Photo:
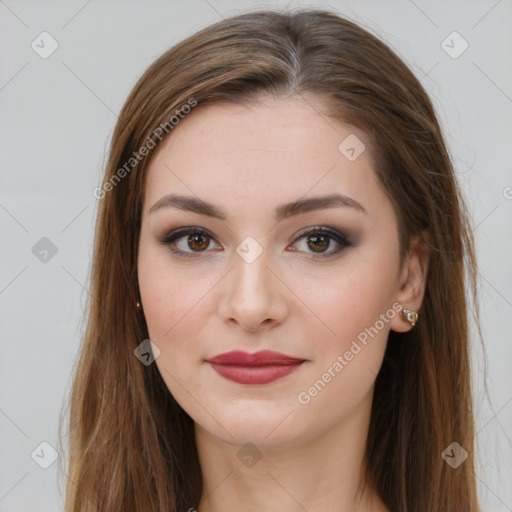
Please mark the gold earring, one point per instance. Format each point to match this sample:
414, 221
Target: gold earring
410, 315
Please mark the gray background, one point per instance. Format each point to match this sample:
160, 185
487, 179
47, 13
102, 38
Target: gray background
57, 116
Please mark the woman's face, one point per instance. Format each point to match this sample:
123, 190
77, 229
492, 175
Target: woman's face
242, 274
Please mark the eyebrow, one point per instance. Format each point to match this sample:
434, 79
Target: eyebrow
284, 211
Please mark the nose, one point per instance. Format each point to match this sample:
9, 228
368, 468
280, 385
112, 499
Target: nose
252, 296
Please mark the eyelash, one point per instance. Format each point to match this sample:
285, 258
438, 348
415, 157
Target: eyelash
171, 237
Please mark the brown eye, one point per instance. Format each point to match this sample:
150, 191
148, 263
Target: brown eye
188, 242
198, 242
322, 242
318, 243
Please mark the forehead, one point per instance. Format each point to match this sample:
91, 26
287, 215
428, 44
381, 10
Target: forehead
294, 125
278, 148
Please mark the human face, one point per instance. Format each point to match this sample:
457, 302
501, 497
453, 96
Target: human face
308, 297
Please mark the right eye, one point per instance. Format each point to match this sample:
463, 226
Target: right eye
187, 242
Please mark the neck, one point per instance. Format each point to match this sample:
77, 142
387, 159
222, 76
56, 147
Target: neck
323, 473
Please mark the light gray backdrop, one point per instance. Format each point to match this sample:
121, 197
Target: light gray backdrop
66, 69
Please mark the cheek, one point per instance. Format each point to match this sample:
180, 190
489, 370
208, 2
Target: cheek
170, 299
342, 376
352, 300
175, 310
356, 310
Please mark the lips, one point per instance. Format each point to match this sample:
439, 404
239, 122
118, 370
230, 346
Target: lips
258, 368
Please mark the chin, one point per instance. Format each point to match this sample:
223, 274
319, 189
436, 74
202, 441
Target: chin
263, 429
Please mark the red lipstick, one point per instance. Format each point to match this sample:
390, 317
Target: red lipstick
258, 368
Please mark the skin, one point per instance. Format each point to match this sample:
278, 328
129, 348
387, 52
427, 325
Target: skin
247, 161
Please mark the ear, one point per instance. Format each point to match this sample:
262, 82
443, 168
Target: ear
413, 279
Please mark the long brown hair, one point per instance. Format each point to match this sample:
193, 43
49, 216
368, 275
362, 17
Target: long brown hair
131, 446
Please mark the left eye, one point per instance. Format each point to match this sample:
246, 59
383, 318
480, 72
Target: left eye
318, 240
190, 242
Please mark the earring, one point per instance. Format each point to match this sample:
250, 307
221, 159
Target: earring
138, 305
410, 315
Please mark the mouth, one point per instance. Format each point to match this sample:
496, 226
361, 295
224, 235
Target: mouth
254, 369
